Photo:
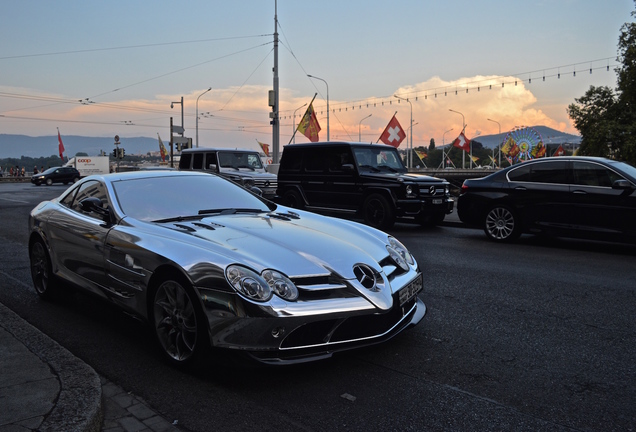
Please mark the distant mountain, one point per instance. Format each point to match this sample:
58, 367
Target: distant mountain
15, 146
548, 135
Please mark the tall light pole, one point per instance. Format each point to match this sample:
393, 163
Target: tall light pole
275, 114
294, 121
197, 123
312, 76
463, 128
359, 124
410, 156
495, 121
443, 164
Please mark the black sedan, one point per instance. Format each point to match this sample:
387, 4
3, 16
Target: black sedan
64, 175
584, 197
208, 264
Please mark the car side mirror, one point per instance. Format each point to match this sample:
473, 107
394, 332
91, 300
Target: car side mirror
348, 167
622, 184
94, 204
255, 190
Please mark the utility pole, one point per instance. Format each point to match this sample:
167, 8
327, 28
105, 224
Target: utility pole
275, 108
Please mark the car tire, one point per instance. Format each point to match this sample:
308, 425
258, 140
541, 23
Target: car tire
501, 224
75, 179
178, 322
378, 212
292, 198
49, 182
44, 282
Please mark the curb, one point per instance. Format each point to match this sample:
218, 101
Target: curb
78, 406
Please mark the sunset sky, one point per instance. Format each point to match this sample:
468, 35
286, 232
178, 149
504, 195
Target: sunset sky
113, 68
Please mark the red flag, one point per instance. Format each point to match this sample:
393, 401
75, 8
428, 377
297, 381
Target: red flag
162, 149
462, 142
61, 145
264, 147
308, 125
559, 151
393, 133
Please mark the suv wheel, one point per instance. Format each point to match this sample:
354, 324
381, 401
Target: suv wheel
292, 199
378, 212
49, 182
501, 224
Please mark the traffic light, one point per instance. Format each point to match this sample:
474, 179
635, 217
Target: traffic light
123, 152
115, 153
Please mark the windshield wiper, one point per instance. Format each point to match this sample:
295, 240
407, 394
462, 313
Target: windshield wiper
372, 168
228, 211
178, 219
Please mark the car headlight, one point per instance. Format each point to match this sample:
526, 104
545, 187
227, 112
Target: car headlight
248, 183
446, 189
410, 191
281, 285
400, 254
261, 287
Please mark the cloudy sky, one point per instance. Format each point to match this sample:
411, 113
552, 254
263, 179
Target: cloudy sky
107, 68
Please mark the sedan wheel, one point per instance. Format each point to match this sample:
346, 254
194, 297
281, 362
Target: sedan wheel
176, 323
378, 212
41, 273
501, 224
49, 182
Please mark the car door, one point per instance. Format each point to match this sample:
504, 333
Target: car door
540, 193
598, 207
77, 237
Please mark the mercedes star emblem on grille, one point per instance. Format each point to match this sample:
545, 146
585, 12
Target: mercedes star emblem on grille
366, 276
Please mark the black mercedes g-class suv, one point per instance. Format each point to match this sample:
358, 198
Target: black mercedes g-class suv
368, 180
239, 165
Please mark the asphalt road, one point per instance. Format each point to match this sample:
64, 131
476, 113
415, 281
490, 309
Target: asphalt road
538, 335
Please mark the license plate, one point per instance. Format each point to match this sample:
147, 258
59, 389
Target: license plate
411, 290
437, 201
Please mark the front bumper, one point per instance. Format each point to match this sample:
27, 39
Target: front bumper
307, 332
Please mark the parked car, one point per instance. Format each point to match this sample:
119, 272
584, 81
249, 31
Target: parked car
360, 179
243, 167
208, 264
584, 197
64, 175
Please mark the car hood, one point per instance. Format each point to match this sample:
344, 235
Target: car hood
249, 173
412, 177
308, 245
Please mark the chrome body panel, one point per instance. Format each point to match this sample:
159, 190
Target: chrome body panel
122, 259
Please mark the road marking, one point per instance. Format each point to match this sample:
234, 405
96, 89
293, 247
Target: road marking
18, 201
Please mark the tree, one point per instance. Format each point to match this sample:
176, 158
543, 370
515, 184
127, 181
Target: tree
606, 119
431, 146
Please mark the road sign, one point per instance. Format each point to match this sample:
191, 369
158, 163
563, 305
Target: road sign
179, 140
178, 129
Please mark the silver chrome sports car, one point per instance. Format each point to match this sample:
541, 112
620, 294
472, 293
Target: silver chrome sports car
209, 264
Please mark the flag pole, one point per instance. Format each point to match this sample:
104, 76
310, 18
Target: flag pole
394, 114
296, 130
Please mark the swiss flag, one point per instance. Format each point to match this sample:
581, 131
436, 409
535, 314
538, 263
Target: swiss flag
393, 133
462, 142
559, 151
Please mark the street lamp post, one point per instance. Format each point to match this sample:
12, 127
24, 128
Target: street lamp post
410, 155
359, 124
494, 121
197, 123
312, 76
443, 164
294, 122
463, 128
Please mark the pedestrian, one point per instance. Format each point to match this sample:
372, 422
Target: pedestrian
11, 172
35, 169
23, 172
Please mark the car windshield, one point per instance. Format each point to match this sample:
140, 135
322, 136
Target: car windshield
50, 170
165, 198
378, 159
626, 168
239, 160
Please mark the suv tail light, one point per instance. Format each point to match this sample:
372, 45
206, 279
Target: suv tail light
464, 189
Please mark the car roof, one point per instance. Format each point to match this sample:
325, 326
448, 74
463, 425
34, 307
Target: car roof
337, 143
132, 175
213, 149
